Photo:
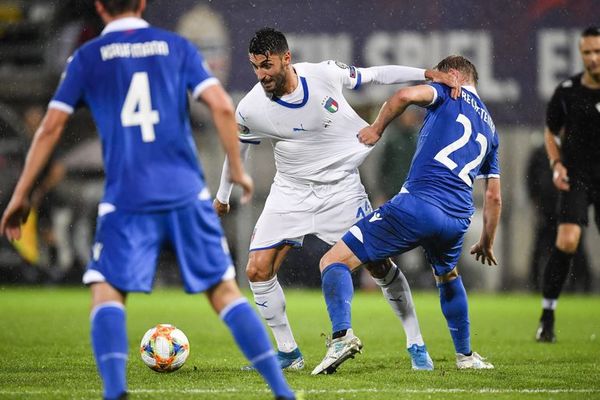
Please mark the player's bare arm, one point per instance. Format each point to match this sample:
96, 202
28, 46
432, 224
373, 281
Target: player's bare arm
42, 146
492, 206
421, 95
560, 178
222, 110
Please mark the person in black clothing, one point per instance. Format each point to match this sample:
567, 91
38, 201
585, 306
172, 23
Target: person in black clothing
544, 196
572, 139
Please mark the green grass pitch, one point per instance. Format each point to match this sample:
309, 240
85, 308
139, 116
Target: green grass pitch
45, 352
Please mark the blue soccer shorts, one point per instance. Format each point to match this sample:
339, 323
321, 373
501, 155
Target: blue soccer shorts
406, 222
127, 245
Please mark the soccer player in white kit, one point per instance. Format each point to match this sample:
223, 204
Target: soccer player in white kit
317, 190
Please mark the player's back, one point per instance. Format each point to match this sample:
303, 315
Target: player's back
457, 143
135, 82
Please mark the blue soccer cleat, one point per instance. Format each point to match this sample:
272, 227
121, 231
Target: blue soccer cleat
291, 361
419, 358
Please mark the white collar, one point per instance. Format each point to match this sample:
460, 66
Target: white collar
125, 24
471, 89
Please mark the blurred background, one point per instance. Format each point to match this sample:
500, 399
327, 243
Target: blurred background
522, 50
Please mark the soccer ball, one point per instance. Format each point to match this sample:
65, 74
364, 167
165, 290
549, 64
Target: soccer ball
164, 348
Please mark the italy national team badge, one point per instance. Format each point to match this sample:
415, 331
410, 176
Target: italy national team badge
331, 105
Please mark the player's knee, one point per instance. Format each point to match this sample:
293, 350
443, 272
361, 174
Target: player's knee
379, 269
567, 245
447, 277
567, 240
258, 272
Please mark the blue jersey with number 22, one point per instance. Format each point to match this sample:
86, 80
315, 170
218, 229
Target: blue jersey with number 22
457, 144
136, 84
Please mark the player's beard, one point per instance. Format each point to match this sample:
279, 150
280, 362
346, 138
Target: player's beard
276, 83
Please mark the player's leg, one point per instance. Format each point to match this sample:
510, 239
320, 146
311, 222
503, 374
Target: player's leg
269, 298
123, 260
336, 266
443, 251
249, 334
396, 291
573, 207
109, 338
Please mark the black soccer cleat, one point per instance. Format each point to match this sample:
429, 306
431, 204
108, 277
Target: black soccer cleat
545, 332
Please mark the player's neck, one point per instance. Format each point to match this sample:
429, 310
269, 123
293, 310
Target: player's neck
130, 14
590, 81
291, 81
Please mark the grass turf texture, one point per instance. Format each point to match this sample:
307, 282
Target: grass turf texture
44, 345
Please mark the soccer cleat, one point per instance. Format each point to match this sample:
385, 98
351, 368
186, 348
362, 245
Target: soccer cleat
545, 332
292, 361
338, 351
419, 358
474, 361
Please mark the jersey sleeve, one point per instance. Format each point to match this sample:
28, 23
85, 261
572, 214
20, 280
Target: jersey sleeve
196, 72
348, 76
555, 112
440, 94
71, 86
490, 168
246, 135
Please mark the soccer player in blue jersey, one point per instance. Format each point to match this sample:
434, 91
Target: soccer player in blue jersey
135, 79
457, 144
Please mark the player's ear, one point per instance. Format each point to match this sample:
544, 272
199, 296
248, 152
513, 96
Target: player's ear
287, 58
141, 7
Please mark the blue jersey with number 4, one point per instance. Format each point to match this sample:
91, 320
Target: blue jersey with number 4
136, 84
457, 143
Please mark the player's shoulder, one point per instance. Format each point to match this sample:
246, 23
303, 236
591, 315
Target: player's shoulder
570, 84
253, 100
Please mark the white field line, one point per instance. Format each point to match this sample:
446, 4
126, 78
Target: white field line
317, 391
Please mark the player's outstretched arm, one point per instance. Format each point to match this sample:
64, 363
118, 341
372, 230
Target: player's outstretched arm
492, 206
44, 141
421, 95
393, 74
221, 107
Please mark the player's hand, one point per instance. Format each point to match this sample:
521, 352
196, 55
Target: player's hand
560, 177
221, 208
369, 135
485, 254
447, 79
247, 185
16, 213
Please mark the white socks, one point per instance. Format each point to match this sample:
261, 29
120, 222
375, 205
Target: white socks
549, 304
270, 302
397, 293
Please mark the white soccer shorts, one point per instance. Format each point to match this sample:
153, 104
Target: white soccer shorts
293, 210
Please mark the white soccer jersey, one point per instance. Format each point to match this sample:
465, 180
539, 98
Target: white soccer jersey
313, 130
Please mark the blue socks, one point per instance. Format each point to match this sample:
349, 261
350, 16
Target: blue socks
251, 337
336, 282
453, 299
109, 342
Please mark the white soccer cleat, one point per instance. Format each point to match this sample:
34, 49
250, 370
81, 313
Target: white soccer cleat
474, 361
338, 351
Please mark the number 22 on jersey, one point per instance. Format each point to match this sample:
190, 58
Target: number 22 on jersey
443, 155
137, 109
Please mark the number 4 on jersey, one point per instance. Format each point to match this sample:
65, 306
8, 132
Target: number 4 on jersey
443, 155
137, 109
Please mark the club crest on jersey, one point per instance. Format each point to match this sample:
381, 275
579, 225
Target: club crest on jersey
330, 105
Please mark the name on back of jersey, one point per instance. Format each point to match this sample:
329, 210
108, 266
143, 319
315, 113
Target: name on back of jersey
134, 50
